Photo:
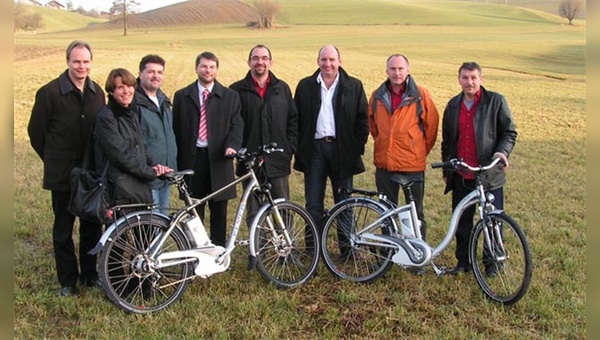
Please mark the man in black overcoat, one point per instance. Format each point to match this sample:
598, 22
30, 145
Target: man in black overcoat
61, 122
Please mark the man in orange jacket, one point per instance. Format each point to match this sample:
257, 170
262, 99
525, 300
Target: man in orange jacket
403, 121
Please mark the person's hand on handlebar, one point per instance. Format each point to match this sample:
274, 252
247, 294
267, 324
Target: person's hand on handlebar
160, 169
503, 159
230, 152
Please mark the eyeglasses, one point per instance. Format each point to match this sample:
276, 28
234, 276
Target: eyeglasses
263, 58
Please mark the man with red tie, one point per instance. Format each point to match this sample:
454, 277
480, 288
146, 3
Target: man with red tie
208, 129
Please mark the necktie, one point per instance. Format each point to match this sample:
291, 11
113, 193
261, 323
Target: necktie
202, 132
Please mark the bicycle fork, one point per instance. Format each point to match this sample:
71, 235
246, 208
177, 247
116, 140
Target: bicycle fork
492, 230
275, 227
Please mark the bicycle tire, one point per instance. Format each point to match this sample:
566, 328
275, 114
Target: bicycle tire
278, 263
127, 280
504, 281
345, 259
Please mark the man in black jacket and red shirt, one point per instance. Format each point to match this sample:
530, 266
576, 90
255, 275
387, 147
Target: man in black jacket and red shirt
477, 127
269, 115
61, 122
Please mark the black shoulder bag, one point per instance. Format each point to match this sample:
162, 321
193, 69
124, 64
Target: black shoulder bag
89, 192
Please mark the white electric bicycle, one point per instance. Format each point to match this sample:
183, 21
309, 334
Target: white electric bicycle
364, 236
147, 259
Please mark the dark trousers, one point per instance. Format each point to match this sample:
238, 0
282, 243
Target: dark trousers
280, 188
201, 187
460, 188
67, 269
390, 182
323, 165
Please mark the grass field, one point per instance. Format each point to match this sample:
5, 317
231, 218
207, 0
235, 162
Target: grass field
534, 59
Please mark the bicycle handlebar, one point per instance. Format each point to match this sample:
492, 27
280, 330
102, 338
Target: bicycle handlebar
243, 153
459, 163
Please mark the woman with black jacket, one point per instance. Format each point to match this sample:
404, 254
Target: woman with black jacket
118, 140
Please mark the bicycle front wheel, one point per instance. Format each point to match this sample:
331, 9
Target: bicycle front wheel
343, 253
280, 262
125, 268
502, 266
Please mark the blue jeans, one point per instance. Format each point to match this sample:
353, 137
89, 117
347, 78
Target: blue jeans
315, 180
161, 199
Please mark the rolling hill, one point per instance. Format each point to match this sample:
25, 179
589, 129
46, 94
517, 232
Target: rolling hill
317, 12
192, 12
55, 20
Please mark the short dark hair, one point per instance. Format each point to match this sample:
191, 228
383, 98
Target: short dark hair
470, 66
397, 55
207, 55
126, 78
259, 46
151, 59
78, 43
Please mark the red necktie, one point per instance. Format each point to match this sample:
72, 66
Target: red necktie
202, 132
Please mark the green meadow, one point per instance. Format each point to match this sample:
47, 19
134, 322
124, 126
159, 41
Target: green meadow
532, 57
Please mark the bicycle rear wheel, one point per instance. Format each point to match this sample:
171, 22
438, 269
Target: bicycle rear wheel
283, 264
343, 255
503, 268
124, 265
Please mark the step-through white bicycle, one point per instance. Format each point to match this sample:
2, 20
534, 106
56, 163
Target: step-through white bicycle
364, 235
147, 259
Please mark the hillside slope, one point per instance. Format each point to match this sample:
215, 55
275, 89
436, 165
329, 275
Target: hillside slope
55, 20
192, 12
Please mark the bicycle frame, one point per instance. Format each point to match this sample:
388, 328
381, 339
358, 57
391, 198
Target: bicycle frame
219, 254
191, 209
366, 236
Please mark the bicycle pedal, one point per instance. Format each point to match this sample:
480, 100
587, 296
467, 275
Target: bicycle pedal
241, 243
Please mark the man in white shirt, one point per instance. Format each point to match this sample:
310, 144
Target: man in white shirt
333, 130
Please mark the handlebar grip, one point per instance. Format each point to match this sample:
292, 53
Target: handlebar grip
438, 165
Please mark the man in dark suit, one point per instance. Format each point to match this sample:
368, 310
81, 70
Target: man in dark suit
208, 129
333, 130
61, 122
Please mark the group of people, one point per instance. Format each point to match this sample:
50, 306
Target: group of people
324, 126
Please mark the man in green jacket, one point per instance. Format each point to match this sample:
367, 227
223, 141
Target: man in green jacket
156, 122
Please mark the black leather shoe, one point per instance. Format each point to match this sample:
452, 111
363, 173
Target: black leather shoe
417, 271
492, 271
458, 269
69, 291
95, 283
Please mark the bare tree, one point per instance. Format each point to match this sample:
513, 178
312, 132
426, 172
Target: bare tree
70, 6
24, 20
122, 8
569, 9
18, 15
267, 10
32, 22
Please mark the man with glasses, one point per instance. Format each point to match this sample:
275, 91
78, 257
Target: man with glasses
270, 116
